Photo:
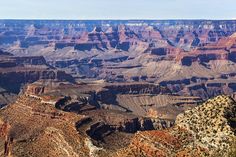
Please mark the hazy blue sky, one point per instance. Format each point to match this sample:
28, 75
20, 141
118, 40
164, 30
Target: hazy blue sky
118, 9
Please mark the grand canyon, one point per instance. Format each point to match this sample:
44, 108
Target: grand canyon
119, 88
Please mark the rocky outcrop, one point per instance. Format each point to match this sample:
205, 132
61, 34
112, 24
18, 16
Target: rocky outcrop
210, 123
34, 89
206, 130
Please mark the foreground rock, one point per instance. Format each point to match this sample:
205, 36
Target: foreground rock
31, 128
207, 130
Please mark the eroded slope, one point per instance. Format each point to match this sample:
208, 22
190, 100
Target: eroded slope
38, 129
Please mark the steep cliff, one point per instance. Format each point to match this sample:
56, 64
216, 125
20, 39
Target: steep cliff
17, 71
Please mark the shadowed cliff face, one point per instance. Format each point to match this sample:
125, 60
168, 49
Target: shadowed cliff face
17, 71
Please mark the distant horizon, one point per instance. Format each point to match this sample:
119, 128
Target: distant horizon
118, 9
